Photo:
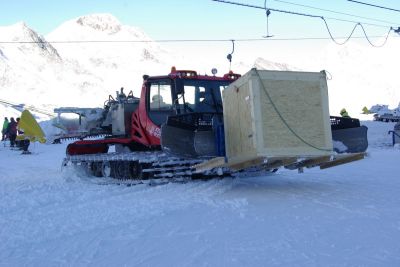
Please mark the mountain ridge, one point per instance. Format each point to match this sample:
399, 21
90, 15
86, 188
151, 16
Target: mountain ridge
86, 58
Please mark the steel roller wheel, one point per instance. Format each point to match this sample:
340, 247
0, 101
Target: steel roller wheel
106, 169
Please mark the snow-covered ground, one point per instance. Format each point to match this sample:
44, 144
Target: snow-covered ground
344, 216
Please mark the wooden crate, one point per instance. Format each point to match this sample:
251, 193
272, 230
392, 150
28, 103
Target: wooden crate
287, 115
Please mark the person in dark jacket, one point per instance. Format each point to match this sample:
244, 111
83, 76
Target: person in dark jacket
24, 143
12, 131
18, 143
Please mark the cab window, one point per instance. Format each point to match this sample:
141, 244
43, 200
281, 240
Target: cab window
160, 96
159, 101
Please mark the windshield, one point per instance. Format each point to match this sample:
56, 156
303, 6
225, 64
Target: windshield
202, 95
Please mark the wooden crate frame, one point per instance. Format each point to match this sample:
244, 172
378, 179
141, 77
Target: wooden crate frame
253, 127
291, 163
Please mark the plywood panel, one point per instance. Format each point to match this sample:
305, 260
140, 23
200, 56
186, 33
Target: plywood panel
237, 114
300, 107
230, 123
282, 114
245, 123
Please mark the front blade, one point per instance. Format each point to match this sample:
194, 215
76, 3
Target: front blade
350, 140
177, 141
187, 143
204, 143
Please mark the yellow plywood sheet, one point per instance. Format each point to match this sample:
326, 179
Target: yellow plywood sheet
294, 123
285, 115
237, 107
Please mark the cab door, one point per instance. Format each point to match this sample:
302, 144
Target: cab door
159, 100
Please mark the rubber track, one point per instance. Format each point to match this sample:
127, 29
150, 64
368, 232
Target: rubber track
157, 166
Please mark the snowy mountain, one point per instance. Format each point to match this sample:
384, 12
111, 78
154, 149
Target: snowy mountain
75, 74
87, 58
23, 65
117, 53
261, 63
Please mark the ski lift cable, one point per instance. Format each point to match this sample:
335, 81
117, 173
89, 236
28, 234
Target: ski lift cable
29, 107
363, 3
340, 13
187, 40
351, 34
313, 16
297, 13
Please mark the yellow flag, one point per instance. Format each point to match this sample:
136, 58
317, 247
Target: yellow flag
31, 128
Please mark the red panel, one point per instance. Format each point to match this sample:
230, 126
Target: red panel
144, 131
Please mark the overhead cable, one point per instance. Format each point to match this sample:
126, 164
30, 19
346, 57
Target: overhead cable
351, 34
29, 107
341, 13
186, 40
367, 4
313, 16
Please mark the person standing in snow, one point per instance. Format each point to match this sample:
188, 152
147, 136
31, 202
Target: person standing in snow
24, 143
344, 113
4, 129
18, 143
12, 131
